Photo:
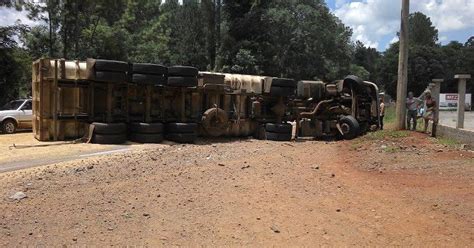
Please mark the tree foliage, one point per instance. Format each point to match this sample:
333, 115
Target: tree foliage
427, 59
298, 39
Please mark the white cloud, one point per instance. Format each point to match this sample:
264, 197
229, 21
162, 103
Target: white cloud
393, 40
443, 38
373, 20
370, 19
448, 15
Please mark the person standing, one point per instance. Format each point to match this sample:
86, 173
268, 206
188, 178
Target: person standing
412, 110
382, 112
430, 113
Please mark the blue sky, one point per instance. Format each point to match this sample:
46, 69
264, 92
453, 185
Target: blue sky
374, 22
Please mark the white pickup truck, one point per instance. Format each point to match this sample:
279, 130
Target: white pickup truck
16, 115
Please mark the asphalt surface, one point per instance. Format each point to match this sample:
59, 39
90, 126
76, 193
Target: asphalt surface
29, 162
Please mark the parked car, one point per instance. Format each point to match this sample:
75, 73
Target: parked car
16, 115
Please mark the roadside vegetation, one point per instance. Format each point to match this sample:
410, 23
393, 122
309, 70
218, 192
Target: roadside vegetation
390, 134
297, 39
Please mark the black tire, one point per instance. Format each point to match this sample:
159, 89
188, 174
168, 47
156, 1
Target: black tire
182, 137
278, 136
110, 76
111, 65
364, 128
284, 128
350, 127
109, 138
146, 128
260, 132
284, 82
146, 68
181, 127
109, 128
182, 81
354, 79
149, 79
183, 71
146, 137
9, 126
282, 91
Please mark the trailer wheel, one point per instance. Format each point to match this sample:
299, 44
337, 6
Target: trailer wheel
109, 128
278, 136
146, 137
279, 128
215, 121
182, 81
182, 137
260, 132
146, 68
149, 79
183, 71
146, 128
284, 82
349, 126
181, 127
110, 76
109, 138
110, 65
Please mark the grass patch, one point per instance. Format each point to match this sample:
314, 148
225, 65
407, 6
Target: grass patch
447, 142
355, 145
389, 119
382, 134
389, 114
391, 149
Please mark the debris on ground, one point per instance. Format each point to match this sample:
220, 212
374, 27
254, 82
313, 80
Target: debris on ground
18, 196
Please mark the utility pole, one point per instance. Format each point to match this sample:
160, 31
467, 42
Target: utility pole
402, 68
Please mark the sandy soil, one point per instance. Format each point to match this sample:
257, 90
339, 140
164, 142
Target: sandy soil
406, 191
12, 158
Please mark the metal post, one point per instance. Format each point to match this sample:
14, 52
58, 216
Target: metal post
461, 98
402, 68
435, 88
55, 101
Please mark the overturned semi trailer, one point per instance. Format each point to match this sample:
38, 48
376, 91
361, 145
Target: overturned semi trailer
115, 101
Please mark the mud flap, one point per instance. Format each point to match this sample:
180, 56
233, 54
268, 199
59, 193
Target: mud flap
338, 126
89, 134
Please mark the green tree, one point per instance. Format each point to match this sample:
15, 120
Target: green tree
15, 65
367, 58
425, 60
421, 30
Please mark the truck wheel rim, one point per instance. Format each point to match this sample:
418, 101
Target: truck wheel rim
9, 127
345, 128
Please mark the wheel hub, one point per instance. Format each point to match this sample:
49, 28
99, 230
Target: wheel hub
9, 127
345, 128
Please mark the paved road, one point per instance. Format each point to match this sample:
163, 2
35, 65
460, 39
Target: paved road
33, 162
448, 118
30, 152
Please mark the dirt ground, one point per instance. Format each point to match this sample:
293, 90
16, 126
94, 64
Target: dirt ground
12, 158
396, 189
